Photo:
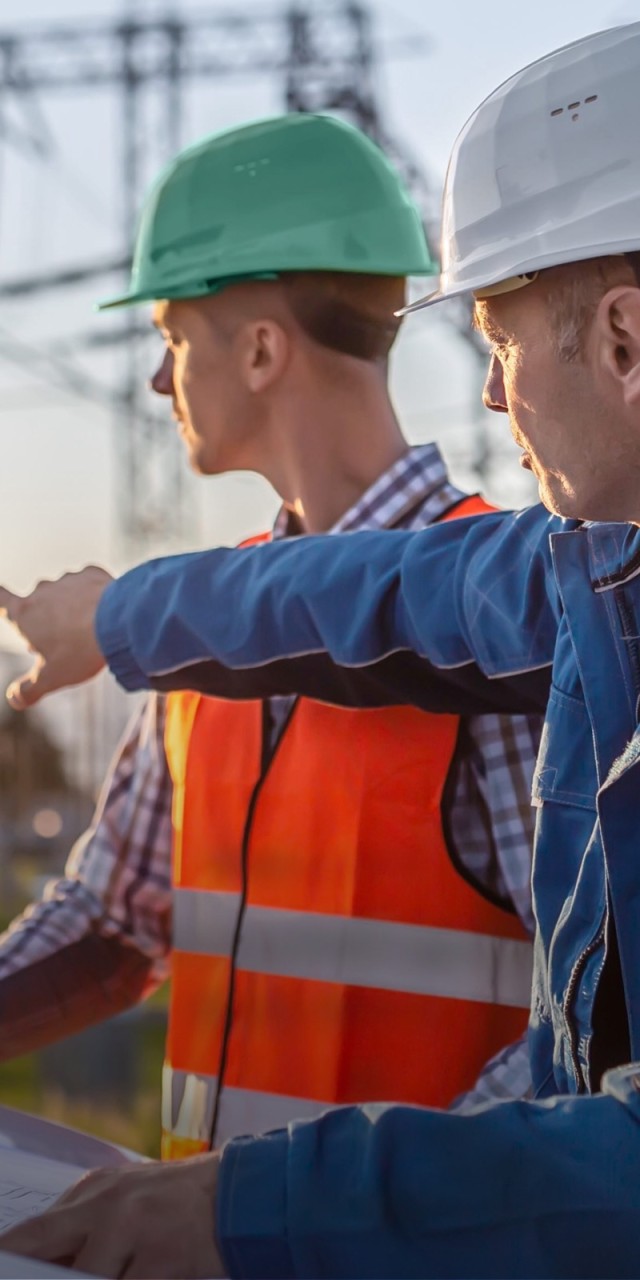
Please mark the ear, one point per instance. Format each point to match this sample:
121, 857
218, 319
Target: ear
265, 354
617, 331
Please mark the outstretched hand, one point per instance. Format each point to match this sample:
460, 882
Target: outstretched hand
150, 1220
57, 623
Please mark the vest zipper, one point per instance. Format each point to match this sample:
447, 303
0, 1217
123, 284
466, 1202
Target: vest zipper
266, 760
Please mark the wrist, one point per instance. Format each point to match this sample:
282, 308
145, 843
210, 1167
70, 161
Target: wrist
251, 1203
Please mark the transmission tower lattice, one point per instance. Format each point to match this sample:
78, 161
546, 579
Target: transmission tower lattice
327, 60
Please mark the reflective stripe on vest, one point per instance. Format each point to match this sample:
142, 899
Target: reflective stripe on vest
188, 1100
325, 950
363, 953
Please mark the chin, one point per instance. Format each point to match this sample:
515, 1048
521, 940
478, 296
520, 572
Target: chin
548, 498
557, 506
561, 500
573, 505
196, 463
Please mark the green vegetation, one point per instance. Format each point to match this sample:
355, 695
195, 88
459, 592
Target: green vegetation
133, 1123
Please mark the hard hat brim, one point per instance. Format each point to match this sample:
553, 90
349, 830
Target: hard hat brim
510, 285
429, 300
197, 289
126, 300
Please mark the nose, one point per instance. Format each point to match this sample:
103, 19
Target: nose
493, 396
162, 380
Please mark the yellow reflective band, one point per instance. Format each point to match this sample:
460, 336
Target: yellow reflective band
187, 1111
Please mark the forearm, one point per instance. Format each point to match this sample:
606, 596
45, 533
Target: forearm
517, 1190
75, 987
434, 618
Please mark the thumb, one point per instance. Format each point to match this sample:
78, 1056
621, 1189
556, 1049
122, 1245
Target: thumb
30, 688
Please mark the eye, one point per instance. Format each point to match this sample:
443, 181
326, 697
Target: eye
500, 350
172, 340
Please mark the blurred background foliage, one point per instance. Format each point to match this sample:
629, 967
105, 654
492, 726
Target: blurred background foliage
107, 1079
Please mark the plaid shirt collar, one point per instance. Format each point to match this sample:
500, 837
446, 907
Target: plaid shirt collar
418, 479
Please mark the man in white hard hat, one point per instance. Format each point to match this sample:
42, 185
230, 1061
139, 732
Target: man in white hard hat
542, 222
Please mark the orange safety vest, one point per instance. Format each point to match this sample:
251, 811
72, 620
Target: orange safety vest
324, 948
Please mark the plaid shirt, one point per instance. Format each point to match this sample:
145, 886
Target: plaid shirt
118, 876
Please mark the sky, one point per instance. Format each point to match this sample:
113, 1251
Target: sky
58, 470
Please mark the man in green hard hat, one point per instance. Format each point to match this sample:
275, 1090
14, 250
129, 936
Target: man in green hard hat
276, 256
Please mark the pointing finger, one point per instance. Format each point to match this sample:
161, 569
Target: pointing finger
15, 697
30, 688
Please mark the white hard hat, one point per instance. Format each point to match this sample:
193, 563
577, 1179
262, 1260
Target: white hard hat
547, 170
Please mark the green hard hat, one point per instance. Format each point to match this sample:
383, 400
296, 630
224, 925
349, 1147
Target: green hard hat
297, 193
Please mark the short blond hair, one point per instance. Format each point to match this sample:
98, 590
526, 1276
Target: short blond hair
349, 312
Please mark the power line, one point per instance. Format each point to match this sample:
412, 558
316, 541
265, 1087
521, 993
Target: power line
55, 368
62, 278
326, 59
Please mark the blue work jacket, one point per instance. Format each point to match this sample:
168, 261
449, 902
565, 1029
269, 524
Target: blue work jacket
494, 613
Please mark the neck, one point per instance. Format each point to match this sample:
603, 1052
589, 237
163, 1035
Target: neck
333, 446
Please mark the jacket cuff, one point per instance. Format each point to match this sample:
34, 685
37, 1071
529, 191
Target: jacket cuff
251, 1205
113, 640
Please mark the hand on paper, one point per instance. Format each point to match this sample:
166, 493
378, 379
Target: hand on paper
151, 1220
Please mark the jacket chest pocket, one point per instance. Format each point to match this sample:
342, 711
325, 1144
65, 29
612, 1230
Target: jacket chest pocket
566, 768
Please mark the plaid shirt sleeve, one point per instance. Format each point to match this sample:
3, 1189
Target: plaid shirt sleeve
117, 879
490, 816
490, 824
503, 1078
